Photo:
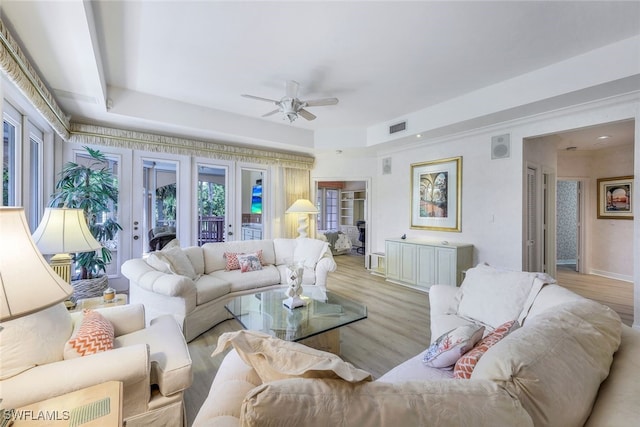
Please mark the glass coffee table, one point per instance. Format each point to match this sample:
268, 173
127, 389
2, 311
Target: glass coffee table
315, 325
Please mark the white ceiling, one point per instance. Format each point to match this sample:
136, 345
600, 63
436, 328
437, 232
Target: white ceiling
179, 67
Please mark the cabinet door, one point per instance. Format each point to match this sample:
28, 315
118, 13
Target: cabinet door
408, 263
446, 266
393, 260
426, 266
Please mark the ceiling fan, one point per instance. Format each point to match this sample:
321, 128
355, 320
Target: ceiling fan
291, 106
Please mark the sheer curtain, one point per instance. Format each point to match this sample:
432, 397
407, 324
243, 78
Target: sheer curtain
297, 186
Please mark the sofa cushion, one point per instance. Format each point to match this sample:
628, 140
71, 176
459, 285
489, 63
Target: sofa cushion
448, 348
244, 281
414, 369
465, 365
35, 339
493, 296
321, 403
92, 335
567, 349
275, 359
209, 287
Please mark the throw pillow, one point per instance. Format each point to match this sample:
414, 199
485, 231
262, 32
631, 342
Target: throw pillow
179, 261
94, 335
249, 262
234, 264
309, 251
275, 359
232, 261
159, 262
465, 365
493, 296
447, 349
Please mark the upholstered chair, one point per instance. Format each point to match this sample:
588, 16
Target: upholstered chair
40, 358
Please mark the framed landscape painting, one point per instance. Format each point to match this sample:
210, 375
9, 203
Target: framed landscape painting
615, 198
436, 194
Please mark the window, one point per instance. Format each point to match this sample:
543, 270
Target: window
327, 204
10, 140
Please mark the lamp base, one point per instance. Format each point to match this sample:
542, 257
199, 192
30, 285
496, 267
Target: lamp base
302, 225
294, 302
61, 264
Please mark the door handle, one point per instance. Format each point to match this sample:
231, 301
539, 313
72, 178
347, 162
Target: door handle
136, 237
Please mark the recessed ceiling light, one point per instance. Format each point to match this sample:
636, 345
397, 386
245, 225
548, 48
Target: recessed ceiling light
419, 135
604, 137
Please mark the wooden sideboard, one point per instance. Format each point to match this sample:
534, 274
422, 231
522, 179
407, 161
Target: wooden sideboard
423, 263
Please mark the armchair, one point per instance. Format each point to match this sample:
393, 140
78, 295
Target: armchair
152, 362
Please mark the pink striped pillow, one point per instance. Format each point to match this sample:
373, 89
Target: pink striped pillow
465, 365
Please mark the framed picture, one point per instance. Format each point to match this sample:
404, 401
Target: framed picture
436, 194
615, 198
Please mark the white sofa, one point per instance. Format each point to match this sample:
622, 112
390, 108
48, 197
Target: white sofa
153, 362
548, 372
194, 284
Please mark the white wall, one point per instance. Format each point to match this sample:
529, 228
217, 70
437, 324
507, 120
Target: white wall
492, 190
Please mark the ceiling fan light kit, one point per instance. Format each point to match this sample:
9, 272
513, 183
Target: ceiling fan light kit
291, 107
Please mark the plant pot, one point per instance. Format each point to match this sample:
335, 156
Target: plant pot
89, 288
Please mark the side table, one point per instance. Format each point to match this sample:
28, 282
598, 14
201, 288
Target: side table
96, 406
98, 302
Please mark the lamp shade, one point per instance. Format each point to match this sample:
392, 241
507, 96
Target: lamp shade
27, 283
302, 206
64, 230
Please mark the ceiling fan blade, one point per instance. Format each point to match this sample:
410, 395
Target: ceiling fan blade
292, 89
320, 102
260, 98
307, 115
271, 113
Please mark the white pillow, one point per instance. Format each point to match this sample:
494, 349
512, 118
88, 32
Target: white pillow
449, 347
309, 251
172, 259
35, 339
492, 296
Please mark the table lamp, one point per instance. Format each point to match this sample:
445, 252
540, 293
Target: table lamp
27, 282
63, 231
303, 208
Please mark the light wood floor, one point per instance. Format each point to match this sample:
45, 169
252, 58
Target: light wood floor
397, 327
616, 294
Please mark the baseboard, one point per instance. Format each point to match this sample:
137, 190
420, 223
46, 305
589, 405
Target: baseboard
610, 275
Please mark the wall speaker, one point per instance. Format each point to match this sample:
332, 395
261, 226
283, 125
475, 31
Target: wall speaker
500, 147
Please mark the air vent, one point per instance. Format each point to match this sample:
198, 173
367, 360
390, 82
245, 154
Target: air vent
399, 127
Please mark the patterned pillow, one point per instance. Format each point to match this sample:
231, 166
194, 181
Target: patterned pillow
232, 259
249, 262
94, 335
465, 365
447, 349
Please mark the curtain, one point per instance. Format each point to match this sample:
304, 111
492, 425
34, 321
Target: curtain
297, 184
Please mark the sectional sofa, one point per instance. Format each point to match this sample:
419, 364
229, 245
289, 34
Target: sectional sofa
193, 284
562, 361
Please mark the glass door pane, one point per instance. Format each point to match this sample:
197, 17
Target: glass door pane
160, 214
252, 204
212, 204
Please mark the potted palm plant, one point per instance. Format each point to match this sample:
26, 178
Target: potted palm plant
92, 187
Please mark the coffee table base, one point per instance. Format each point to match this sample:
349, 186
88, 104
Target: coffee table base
326, 341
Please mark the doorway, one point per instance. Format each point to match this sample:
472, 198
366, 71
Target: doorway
569, 224
343, 217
